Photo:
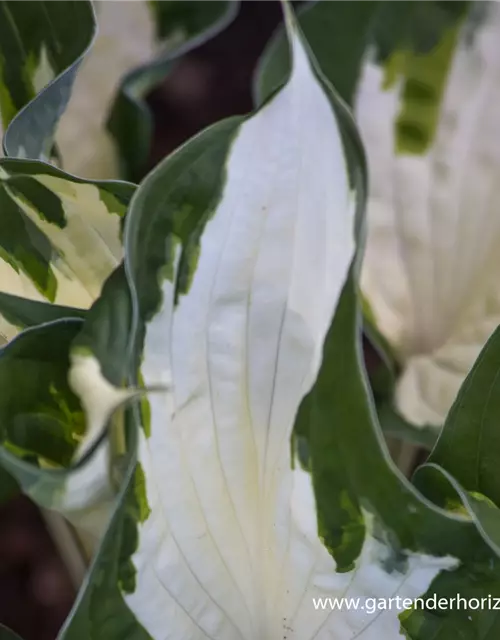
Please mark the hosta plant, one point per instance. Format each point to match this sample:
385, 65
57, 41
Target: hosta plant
209, 418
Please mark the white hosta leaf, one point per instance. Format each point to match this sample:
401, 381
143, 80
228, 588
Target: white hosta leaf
430, 271
229, 548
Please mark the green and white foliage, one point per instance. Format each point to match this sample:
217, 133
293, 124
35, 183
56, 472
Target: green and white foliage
223, 533
42, 47
106, 130
209, 417
236, 553
61, 236
432, 135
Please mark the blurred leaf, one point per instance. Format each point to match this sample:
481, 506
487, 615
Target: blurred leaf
395, 426
469, 445
7, 634
41, 45
420, 78
8, 486
180, 28
415, 27
23, 313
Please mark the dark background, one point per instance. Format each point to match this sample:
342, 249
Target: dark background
213, 82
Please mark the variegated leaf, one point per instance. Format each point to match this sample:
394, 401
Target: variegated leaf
133, 50
239, 309
61, 236
43, 424
433, 138
238, 249
41, 44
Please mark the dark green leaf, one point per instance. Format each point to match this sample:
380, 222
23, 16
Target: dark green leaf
24, 313
445, 491
7, 634
25, 247
469, 445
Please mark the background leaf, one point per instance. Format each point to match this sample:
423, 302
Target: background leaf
41, 46
180, 27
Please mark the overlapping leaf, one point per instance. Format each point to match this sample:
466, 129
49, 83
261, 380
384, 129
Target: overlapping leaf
343, 34
187, 277
41, 46
401, 53
179, 28
462, 471
61, 236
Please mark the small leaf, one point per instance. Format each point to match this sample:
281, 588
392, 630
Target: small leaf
394, 426
469, 445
